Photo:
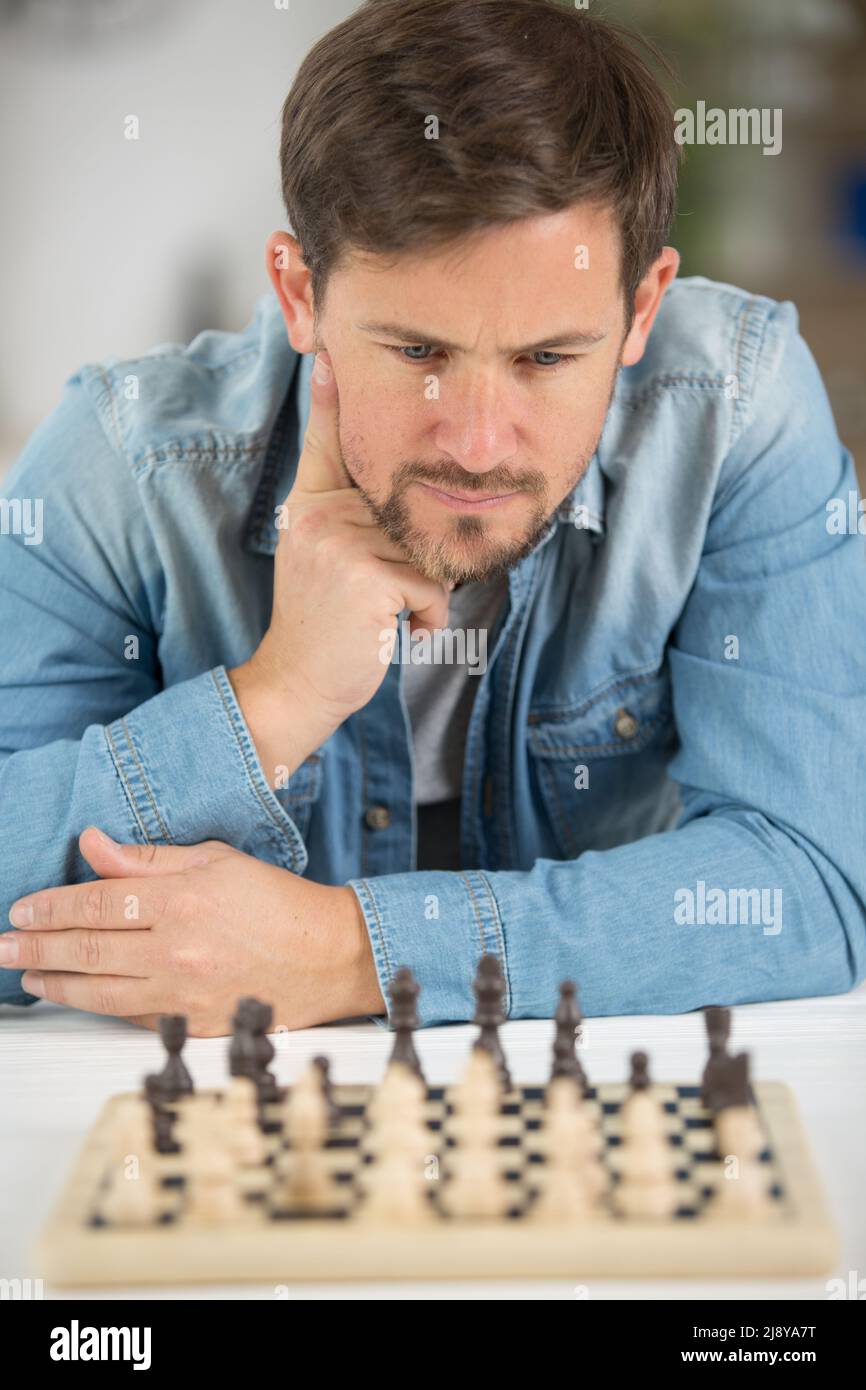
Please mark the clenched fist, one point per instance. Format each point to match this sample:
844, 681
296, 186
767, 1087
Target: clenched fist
339, 582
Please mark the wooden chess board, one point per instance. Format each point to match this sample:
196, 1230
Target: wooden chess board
269, 1243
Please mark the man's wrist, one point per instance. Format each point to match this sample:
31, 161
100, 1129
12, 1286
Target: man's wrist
364, 994
283, 731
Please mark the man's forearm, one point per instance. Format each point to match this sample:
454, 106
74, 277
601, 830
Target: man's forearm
609, 920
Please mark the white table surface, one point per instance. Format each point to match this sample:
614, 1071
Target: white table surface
58, 1066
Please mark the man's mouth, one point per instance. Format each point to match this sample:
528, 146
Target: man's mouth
469, 502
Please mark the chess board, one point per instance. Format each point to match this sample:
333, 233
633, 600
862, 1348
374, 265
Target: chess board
272, 1244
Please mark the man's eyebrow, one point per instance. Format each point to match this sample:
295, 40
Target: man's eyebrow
417, 337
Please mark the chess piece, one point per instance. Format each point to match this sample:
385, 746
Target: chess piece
161, 1117
718, 1025
133, 1197
212, 1193
640, 1114
239, 1110
174, 1081
264, 1051
324, 1066
568, 1019
476, 1185
403, 991
645, 1162
489, 990
742, 1190
251, 1050
303, 1181
572, 1143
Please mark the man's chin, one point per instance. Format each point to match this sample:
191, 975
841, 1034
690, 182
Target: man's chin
464, 560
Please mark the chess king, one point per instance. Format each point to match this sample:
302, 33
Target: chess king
475, 398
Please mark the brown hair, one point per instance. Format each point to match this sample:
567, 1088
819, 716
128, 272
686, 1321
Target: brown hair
538, 106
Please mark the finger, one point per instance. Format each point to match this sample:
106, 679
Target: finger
112, 859
86, 951
120, 903
320, 467
427, 600
115, 995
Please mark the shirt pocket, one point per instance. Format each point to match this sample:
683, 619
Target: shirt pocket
599, 765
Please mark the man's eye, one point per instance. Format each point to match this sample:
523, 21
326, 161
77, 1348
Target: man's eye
562, 359
420, 347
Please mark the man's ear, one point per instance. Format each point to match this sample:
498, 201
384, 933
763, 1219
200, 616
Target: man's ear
291, 280
648, 297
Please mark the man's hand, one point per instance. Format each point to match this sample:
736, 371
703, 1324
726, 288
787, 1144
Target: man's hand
339, 583
189, 930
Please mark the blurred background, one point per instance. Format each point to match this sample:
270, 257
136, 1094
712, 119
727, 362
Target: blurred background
111, 245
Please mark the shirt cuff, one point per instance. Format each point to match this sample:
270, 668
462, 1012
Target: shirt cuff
190, 772
439, 923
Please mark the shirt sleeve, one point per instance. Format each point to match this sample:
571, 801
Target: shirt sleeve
771, 769
87, 735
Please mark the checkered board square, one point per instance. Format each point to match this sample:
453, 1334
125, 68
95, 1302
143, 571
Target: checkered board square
272, 1243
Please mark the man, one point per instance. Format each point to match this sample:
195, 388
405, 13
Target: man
236, 762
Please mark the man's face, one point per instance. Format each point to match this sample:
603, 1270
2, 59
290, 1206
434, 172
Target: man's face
461, 432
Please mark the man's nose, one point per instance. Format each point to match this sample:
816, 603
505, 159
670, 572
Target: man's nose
476, 427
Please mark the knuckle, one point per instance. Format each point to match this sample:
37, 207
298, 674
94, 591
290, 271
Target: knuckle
88, 949
97, 905
105, 1000
32, 950
184, 906
306, 523
43, 911
185, 959
55, 989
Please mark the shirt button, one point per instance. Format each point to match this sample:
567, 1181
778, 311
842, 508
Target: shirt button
625, 724
377, 817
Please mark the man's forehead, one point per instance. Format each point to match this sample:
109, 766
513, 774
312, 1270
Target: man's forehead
551, 273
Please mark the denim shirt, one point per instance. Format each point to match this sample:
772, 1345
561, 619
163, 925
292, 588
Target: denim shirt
664, 787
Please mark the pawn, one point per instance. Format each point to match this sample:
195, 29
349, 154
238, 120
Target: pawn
738, 1131
213, 1197
392, 1190
305, 1110
744, 1193
640, 1113
476, 1187
399, 1087
563, 1197
477, 1100
396, 1115
134, 1194
646, 1160
240, 1110
572, 1143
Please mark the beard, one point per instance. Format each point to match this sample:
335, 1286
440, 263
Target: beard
467, 552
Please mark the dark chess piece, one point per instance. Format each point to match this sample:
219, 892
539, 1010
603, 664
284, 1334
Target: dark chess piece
489, 990
327, 1088
718, 1024
640, 1077
251, 1050
163, 1118
242, 1051
403, 992
174, 1080
732, 1086
264, 1051
568, 1019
